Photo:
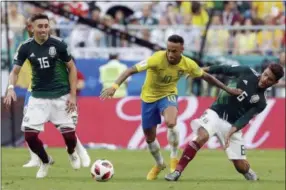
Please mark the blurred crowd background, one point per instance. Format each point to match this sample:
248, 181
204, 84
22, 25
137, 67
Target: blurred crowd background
250, 32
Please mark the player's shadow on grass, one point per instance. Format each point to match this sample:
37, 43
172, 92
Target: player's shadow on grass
227, 180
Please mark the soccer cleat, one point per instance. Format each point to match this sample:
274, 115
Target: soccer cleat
84, 158
44, 168
173, 164
154, 172
74, 160
32, 163
174, 176
251, 175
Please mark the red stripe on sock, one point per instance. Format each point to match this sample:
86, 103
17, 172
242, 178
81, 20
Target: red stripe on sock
188, 155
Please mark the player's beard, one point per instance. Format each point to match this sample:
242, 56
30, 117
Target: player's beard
173, 61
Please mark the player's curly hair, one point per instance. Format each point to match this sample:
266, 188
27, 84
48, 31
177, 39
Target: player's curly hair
176, 39
39, 16
277, 70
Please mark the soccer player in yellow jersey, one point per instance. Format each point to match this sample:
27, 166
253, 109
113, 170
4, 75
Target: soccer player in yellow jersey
159, 95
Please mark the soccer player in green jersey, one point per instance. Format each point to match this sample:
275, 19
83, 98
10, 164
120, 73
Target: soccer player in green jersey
229, 114
54, 79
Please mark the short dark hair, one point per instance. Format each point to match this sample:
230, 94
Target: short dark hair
96, 9
196, 7
39, 16
225, 3
277, 70
113, 56
176, 39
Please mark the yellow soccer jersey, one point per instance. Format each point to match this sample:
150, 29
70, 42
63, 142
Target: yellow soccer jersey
25, 76
162, 77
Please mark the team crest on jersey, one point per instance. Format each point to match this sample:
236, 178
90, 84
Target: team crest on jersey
52, 51
254, 99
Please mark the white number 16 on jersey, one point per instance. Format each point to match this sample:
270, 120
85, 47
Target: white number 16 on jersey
44, 62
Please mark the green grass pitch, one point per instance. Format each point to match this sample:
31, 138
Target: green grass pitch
209, 170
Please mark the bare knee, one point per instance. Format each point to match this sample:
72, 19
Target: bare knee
242, 166
171, 123
150, 135
150, 139
170, 116
203, 136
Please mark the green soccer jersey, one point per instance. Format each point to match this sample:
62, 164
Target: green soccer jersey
239, 110
50, 77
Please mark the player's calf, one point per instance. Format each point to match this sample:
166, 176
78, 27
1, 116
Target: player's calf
70, 141
84, 157
189, 153
154, 148
36, 145
170, 116
202, 136
173, 140
243, 167
69, 138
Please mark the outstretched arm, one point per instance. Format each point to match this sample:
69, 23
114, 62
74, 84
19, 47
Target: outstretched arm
212, 80
206, 69
227, 70
127, 73
109, 92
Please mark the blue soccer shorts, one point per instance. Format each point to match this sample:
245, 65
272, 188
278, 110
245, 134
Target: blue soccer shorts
151, 112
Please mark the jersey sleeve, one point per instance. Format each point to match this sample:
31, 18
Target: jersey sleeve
64, 54
229, 70
244, 120
194, 70
20, 56
149, 63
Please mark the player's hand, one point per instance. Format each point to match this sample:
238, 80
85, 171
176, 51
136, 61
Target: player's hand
11, 96
227, 140
227, 137
71, 104
107, 93
234, 91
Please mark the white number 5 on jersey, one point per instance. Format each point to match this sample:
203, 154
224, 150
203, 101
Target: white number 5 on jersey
242, 96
